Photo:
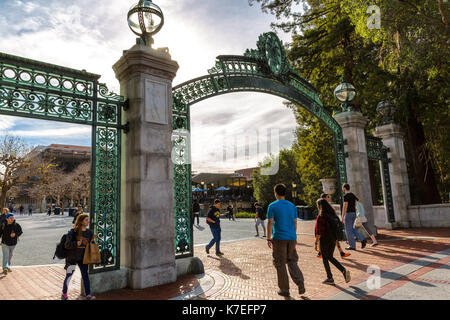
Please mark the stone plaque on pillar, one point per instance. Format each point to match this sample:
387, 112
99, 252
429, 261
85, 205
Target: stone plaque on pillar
156, 102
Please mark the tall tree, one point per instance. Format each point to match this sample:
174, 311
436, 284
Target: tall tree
287, 174
414, 48
406, 62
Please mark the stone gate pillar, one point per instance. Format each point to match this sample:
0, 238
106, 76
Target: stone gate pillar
148, 234
353, 124
392, 137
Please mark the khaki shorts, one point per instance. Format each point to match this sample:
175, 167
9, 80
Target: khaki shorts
259, 222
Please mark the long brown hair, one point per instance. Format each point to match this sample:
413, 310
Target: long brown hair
77, 226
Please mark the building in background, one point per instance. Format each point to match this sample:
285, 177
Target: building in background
67, 157
238, 183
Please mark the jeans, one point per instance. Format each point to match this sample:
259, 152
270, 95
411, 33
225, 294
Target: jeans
7, 255
84, 274
327, 249
349, 221
285, 252
196, 215
215, 240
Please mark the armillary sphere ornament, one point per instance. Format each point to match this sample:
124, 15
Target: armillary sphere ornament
274, 53
145, 19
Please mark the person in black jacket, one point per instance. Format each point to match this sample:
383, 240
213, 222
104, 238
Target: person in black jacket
10, 231
196, 212
326, 240
213, 220
79, 211
3, 215
77, 240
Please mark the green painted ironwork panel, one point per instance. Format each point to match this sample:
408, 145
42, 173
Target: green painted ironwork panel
34, 89
376, 150
106, 220
265, 70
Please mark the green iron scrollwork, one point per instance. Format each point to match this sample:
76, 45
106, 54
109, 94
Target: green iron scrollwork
265, 69
34, 89
376, 150
107, 195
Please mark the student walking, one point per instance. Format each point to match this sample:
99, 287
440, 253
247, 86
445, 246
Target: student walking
230, 211
196, 212
79, 211
282, 217
326, 240
348, 218
10, 231
360, 209
259, 219
21, 209
213, 220
30, 210
338, 245
5, 211
77, 240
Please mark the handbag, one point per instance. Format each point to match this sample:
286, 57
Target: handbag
91, 254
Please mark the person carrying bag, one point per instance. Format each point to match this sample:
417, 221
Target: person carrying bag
80, 248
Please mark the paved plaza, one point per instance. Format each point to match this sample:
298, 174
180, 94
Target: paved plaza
413, 263
41, 233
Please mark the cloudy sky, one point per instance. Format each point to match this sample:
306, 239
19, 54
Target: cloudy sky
91, 35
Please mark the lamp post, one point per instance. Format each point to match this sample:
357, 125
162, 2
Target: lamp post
145, 19
386, 110
345, 93
294, 192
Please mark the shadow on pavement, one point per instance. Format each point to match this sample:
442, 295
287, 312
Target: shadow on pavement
229, 268
200, 228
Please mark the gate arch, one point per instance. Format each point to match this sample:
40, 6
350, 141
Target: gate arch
266, 70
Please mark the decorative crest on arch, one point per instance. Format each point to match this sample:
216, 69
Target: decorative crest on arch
272, 54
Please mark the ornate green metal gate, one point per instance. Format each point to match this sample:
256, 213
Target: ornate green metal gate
265, 70
34, 89
377, 151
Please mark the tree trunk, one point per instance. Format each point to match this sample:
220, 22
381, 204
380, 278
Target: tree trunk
3, 199
424, 176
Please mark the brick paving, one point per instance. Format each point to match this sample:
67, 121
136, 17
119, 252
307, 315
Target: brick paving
246, 271
38, 283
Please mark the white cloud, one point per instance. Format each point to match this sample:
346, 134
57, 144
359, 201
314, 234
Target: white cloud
6, 123
54, 133
91, 35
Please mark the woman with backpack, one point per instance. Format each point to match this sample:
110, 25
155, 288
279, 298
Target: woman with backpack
326, 237
77, 240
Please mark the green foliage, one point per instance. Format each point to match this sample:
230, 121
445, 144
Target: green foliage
406, 62
315, 150
244, 215
287, 174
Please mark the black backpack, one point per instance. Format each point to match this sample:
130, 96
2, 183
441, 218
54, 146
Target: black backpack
61, 251
262, 215
336, 227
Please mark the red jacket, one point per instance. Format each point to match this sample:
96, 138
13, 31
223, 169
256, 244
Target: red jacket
321, 226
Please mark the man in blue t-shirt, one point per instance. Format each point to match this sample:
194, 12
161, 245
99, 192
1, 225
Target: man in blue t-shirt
282, 216
213, 220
